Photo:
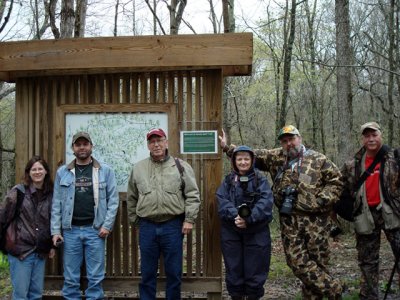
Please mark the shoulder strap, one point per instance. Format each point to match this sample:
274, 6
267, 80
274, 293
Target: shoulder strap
20, 199
180, 169
378, 158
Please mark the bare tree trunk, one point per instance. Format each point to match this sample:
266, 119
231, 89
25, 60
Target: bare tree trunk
312, 81
154, 17
176, 10
80, 19
52, 15
67, 19
287, 66
344, 93
2, 10
228, 7
392, 69
115, 33
213, 16
134, 17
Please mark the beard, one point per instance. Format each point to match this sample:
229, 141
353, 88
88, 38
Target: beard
83, 155
293, 152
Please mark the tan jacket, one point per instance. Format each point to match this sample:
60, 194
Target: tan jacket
154, 191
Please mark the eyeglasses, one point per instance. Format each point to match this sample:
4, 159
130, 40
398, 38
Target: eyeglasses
155, 141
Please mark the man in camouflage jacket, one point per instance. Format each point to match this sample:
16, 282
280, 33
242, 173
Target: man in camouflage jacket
316, 185
376, 206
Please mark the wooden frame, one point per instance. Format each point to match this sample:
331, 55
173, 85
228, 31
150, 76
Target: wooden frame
62, 110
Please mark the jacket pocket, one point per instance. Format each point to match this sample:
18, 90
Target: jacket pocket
392, 221
364, 222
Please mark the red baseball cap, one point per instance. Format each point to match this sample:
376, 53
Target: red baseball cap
156, 131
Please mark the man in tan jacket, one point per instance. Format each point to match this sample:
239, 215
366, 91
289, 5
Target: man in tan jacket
163, 199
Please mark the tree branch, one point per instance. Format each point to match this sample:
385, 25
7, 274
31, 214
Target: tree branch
155, 16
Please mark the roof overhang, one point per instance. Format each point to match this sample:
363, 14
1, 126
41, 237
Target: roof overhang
232, 52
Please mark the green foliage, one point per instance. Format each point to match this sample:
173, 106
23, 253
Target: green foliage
5, 284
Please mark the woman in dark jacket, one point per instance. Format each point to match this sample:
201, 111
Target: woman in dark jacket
245, 208
26, 215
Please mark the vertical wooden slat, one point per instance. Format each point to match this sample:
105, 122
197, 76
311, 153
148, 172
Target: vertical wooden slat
117, 244
153, 87
125, 236
143, 88
135, 89
189, 119
161, 87
84, 90
44, 119
197, 169
21, 128
115, 89
125, 89
171, 88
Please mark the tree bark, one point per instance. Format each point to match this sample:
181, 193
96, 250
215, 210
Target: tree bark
344, 93
228, 8
390, 88
67, 19
287, 66
80, 19
52, 15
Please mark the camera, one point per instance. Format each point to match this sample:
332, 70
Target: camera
244, 210
289, 194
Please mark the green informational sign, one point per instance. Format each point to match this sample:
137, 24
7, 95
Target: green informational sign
199, 142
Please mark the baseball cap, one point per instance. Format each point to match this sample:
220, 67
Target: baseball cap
156, 131
81, 134
289, 129
370, 125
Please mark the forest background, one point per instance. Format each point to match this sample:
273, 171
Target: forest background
325, 66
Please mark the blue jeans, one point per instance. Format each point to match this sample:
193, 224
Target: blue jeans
83, 242
27, 276
161, 238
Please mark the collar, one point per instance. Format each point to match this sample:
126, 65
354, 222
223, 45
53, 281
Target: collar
96, 164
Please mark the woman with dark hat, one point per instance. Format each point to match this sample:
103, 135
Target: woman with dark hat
245, 208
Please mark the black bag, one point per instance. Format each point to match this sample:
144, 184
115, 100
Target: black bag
345, 206
3, 233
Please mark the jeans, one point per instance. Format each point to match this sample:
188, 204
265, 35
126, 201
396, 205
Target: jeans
27, 276
83, 242
164, 238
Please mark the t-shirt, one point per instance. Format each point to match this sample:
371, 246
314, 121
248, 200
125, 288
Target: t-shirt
372, 183
84, 199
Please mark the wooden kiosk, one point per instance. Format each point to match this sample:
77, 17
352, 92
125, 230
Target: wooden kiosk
180, 76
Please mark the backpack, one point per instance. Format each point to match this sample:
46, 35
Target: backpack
20, 198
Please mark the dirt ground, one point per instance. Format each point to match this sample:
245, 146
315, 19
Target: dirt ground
343, 265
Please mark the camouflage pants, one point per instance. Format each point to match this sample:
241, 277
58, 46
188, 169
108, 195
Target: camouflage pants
306, 244
368, 255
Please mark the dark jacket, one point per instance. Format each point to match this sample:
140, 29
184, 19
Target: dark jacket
30, 230
256, 193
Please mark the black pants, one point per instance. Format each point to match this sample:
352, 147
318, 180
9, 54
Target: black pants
247, 258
